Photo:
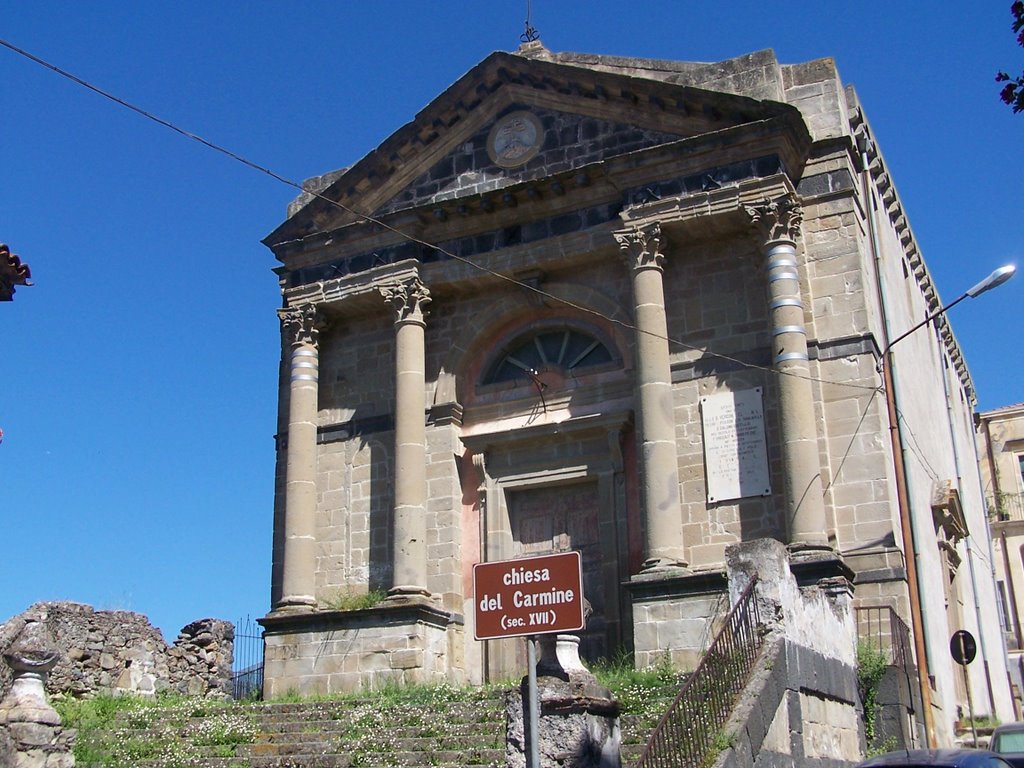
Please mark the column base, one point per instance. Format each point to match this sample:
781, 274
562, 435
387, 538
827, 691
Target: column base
810, 564
294, 605
407, 594
665, 566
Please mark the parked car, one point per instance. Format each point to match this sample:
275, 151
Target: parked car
937, 758
1008, 741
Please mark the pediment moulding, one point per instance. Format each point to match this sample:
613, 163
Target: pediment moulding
502, 81
698, 164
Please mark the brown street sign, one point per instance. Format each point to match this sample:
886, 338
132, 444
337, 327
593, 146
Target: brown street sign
529, 596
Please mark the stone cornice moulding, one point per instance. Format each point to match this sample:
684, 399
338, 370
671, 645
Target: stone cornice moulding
504, 435
354, 292
882, 181
727, 206
468, 215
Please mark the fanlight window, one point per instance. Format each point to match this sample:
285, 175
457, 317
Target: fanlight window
562, 349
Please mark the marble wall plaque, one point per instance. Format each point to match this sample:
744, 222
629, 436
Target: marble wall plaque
735, 450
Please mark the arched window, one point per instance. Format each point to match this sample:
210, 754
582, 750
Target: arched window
567, 350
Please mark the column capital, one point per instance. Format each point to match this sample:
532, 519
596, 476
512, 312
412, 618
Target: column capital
642, 247
301, 324
777, 220
408, 297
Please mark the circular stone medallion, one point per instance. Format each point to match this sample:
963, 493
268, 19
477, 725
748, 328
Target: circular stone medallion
515, 139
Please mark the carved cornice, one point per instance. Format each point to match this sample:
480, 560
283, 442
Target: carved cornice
408, 297
642, 247
778, 219
300, 325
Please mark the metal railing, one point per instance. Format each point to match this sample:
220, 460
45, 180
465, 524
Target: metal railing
687, 731
883, 629
247, 665
1007, 506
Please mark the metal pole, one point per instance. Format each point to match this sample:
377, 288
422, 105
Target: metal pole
534, 740
967, 687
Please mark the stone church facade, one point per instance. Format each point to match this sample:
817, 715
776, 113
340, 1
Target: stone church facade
620, 306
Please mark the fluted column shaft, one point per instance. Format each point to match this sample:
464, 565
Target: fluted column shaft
659, 467
779, 224
409, 548
298, 580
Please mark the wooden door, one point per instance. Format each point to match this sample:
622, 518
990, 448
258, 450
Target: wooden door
563, 518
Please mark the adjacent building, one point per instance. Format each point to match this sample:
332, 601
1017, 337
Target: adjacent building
1001, 449
631, 308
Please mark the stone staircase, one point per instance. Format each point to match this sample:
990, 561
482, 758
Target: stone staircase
339, 734
311, 735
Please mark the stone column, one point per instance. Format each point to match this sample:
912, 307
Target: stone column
298, 582
659, 466
409, 553
779, 224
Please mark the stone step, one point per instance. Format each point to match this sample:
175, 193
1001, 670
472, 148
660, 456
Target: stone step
410, 736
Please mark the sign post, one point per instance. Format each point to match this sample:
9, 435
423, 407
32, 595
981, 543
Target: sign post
525, 598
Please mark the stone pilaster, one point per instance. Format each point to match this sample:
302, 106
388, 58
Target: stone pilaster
659, 467
298, 582
778, 222
409, 298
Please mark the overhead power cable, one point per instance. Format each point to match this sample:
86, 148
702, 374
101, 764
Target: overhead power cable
405, 235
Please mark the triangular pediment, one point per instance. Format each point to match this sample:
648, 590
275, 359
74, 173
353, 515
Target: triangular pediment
511, 119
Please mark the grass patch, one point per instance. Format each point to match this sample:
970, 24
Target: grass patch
350, 601
118, 731
176, 731
644, 692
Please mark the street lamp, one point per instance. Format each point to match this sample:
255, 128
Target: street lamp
885, 365
994, 280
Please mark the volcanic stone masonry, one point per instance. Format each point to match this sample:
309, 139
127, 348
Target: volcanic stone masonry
121, 651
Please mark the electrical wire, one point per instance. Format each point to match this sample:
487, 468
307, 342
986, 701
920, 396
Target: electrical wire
369, 218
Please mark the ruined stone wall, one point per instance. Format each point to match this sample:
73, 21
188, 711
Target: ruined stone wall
121, 651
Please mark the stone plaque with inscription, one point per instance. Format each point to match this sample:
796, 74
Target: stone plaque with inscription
735, 451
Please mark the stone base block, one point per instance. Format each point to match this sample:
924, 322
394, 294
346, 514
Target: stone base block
674, 613
343, 651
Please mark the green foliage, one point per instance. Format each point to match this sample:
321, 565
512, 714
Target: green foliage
350, 601
871, 666
646, 692
119, 731
1012, 93
723, 740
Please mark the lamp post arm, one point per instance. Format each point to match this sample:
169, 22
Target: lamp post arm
937, 313
994, 280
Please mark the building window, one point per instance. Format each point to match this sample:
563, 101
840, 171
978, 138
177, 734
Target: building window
566, 350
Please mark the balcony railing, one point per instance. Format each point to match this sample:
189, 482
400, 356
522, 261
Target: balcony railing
1007, 506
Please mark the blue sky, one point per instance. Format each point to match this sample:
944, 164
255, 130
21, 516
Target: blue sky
139, 373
